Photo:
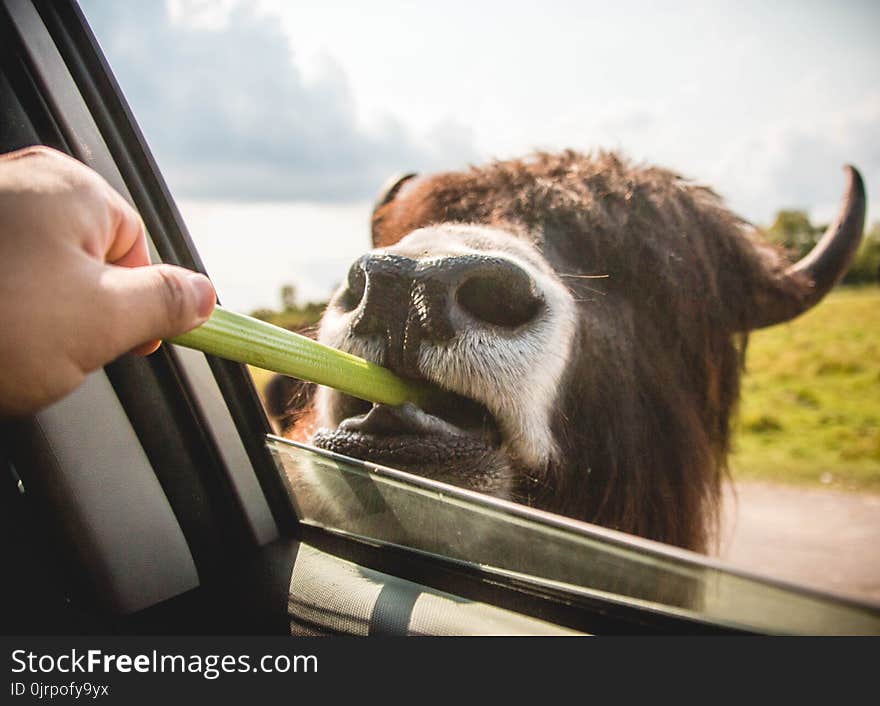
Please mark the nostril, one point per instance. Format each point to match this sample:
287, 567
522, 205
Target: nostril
504, 297
355, 287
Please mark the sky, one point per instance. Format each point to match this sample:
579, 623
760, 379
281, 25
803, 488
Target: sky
275, 122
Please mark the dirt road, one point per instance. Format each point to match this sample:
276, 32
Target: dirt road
823, 538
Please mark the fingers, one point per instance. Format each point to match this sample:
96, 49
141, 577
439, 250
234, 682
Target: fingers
128, 247
126, 304
146, 348
110, 229
126, 242
154, 302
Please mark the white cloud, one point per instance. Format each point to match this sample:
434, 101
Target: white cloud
755, 100
796, 164
201, 14
230, 116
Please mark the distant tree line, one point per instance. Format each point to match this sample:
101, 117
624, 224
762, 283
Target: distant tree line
293, 316
793, 230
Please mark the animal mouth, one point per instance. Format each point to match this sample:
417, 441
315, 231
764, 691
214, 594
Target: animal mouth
431, 440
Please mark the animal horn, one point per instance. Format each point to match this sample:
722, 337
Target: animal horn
387, 194
391, 187
805, 283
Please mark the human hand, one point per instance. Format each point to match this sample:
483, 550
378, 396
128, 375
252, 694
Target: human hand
77, 289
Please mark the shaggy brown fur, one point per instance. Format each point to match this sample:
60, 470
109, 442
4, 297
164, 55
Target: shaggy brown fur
667, 282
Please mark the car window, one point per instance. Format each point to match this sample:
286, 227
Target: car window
276, 141
501, 538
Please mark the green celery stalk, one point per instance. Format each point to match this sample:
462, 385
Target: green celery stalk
245, 339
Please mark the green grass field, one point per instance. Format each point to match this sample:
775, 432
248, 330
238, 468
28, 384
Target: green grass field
810, 410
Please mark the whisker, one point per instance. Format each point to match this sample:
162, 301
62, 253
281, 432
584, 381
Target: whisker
573, 276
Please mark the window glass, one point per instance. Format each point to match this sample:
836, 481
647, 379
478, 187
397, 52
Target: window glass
612, 314
501, 538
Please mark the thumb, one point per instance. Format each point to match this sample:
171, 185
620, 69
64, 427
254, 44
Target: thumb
155, 302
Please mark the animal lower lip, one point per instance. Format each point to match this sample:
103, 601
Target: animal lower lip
383, 420
409, 437
455, 431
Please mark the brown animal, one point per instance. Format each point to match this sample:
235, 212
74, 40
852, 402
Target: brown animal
591, 317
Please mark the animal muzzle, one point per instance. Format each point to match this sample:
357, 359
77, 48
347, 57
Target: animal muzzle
405, 302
